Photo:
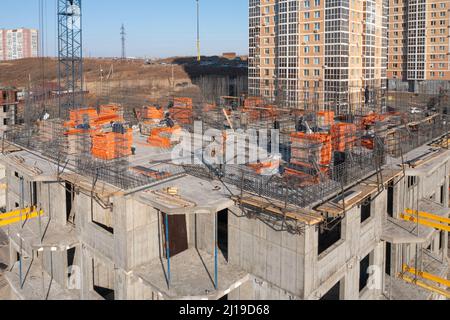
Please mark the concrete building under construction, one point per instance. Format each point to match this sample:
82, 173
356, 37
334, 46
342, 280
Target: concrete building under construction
239, 199
361, 225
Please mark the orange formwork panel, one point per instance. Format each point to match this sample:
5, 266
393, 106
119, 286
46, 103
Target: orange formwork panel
183, 103
162, 137
153, 113
208, 107
112, 145
316, 144
107, 119
343, 136
265, 166
182, 110
325, 118
82, 115
304, 178
111, 109
253, 102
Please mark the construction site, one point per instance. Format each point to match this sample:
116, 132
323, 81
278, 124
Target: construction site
221, 197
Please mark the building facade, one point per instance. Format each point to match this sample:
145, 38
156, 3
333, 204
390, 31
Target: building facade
18, 44
318, 54
8, 107
418, 41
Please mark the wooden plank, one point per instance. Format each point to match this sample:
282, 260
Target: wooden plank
308, 218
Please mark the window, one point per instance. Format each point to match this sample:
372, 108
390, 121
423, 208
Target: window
412, 181
364, 266
366, 211
222, 232
103, 279
388, 258
442, 194
333, 294
390, 199
330, 236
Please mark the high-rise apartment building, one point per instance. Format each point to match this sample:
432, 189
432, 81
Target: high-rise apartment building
419, 41
318, 54
18, 44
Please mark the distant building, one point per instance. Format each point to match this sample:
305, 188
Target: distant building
418, 42
8, 107
18, 44
230, 55
317, 54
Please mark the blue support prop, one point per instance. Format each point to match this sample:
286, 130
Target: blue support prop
168, 249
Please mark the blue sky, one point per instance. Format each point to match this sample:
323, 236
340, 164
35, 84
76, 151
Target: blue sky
155, 28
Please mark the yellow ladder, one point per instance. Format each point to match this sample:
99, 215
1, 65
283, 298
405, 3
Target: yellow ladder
426, 219
19, 215
426, 276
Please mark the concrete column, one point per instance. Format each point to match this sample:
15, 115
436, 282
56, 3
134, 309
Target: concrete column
310, 275
86, 271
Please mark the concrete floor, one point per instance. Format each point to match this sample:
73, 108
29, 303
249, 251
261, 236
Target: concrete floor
192, 274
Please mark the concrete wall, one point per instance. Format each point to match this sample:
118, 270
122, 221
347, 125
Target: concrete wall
276, 257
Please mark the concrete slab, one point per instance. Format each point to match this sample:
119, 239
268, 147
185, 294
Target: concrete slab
56, 237
399, 231
192, 274
37, 287
33, 166
201, 196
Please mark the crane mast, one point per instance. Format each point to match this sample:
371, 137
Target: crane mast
70, 56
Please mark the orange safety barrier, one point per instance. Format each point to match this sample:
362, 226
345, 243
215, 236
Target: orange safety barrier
343, 136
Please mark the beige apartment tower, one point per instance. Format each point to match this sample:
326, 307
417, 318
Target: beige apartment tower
419, 43
319, 54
